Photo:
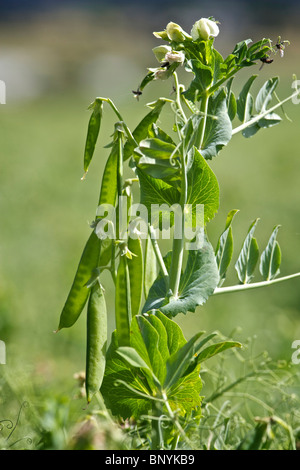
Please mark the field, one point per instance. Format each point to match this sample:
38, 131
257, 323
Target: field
45, 211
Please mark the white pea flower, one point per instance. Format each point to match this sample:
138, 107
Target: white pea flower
175, 32
205, 29
175, 56
161, 51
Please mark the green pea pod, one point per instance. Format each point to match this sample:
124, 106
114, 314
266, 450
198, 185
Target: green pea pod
109, 184
135, 267
96, 341
122, 304
93, 132
150, 269
79, 293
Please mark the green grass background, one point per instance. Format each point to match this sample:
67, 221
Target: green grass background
45, 208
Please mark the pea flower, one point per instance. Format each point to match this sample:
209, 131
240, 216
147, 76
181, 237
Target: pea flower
175, 32
175, 56
161, 51
204, 29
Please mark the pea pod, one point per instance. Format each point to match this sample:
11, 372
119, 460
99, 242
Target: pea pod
122, 304
109, 184
135, 267
93, 132
79, 293
150, 269
96, 341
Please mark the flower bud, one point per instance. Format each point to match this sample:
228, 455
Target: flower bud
204, 29
175, 32
161, 51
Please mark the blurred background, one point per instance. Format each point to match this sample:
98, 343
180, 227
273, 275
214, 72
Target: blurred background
55, 58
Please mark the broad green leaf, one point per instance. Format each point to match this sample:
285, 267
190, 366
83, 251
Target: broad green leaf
154, 191
245, 101
159, 149
271, 258
130, 386
141, 131
203, 188
203, 79
93, 132
248, 257
224, 249
121, 400
218, 128
265, 95
132, 357
198, 282
179, 362
156, 132
160, 169
216, 348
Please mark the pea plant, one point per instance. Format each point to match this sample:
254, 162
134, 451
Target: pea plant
150, 374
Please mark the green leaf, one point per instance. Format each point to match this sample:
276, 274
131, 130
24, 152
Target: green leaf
248, 257
93, 132
198, 282
179, 362
203, 188
132, 357
154, 191
216, 348
218, 128
265, 95
271, 258
245, 101
224, 249
159, 149
141, 131
203, 79
130, 384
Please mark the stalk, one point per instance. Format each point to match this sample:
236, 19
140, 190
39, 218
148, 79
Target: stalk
203, 110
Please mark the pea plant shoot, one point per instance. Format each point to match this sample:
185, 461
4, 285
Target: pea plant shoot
150, 373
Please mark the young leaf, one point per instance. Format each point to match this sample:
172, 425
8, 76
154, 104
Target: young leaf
245, 101
203, 79
265, 95
224, 249
271, 258
132, 357
216, 348
248, 257
218, 129
93, 132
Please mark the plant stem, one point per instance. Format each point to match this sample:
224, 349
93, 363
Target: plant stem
255, 285
158, 254
203, 110
262, 115
178, 97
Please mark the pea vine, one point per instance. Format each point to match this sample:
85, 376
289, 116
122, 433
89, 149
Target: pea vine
150, 372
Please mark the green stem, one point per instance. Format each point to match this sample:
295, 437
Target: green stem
178, 97
262, 115
255, 285
158, 254
203, 110
126, 128
178, 243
